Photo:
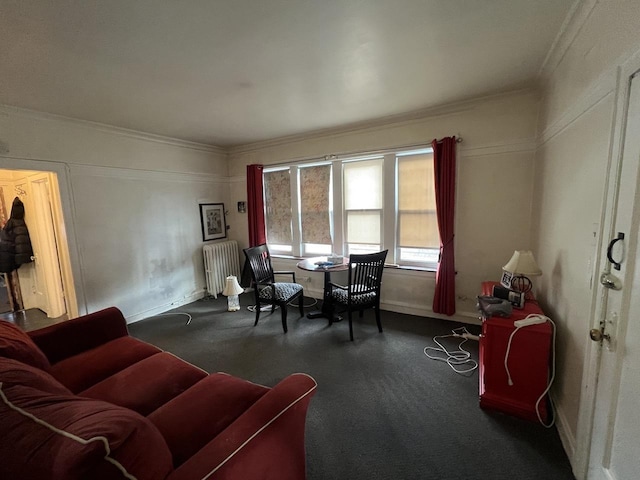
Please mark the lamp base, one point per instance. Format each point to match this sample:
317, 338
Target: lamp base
233, 303
521, 284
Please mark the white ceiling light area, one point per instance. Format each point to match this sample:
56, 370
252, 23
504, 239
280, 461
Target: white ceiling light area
227, 73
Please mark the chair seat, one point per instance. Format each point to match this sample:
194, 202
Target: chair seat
283, 291
341, 296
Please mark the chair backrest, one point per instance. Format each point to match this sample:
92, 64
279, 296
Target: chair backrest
365, 272
259, 261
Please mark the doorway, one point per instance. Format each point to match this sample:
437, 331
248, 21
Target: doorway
609, 446
41, 291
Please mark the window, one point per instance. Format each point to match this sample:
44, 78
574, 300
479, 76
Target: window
418, 240
315, 209
277, 217
355, 205
362, 187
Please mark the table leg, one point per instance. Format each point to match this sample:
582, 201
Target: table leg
326, 310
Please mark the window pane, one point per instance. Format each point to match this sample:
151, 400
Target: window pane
277, 203
315, 190
363, 227
363, 185
359, 248
417, 221
415, 182
317, 249
425, 255
418, 229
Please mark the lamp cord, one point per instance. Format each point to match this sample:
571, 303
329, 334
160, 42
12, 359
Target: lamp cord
454, 358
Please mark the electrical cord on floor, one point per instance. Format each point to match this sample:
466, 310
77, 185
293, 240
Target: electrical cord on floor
315, 302
176, 313
454, 358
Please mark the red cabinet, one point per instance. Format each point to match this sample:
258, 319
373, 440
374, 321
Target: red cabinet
528, 363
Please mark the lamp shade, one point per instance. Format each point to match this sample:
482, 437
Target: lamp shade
232, 287
522, 263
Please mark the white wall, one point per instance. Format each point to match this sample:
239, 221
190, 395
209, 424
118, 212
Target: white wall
130, 204
575, 128
495, 172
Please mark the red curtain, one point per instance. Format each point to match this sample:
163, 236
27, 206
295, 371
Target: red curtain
444, 158
255, 206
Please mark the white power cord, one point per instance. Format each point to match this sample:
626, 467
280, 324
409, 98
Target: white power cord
176, 313
454, 358
535, 319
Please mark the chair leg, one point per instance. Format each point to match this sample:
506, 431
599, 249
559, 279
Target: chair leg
361, 312
350, 327
284, 317
377, 308
257, 310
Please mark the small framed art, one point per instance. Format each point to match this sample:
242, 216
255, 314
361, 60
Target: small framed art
214, 223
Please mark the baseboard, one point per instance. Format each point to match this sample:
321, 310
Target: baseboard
566, 436
165, 307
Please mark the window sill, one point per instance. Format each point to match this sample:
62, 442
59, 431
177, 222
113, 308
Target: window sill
390, 266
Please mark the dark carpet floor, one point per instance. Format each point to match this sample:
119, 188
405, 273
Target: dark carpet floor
382, 410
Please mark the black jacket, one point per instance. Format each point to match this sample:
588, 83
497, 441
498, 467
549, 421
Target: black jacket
15, 243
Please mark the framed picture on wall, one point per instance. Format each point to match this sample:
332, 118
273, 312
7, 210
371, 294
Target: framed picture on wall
214, 223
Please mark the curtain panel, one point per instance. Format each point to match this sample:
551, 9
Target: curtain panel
444, 156
255, 206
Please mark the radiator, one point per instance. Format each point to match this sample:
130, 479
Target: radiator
220, 261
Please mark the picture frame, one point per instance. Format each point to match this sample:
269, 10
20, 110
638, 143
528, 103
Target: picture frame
213, 221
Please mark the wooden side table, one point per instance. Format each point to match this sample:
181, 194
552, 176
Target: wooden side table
528, 363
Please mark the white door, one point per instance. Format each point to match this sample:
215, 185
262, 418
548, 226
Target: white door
615, 447
47, 281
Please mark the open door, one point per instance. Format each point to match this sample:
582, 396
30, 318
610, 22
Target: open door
613, 451
47, 282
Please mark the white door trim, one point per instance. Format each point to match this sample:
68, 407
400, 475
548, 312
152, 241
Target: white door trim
79, 306
580, 461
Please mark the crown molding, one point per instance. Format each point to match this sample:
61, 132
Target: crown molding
574, 21
9, 110
137, 174
399, 120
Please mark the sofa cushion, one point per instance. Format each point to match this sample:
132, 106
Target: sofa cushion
88, 368
16, 344
193, 418
52, 436
147, 384
13, 372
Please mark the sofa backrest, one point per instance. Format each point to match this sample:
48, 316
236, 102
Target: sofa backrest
48, 433
16, 344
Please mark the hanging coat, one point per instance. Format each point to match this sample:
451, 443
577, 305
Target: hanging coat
16, 237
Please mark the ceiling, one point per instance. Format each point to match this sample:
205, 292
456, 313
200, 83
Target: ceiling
231, 72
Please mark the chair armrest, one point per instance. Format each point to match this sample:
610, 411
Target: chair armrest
266, 441
80, 334
293, 274
342, 287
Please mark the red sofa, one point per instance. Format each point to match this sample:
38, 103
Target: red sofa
83, 399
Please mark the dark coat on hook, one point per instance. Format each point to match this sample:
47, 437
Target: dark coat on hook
15, 243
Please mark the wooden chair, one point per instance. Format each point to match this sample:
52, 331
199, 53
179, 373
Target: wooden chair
267, 290
363, 289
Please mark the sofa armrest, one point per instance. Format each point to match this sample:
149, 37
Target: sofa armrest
80, 334
266, 441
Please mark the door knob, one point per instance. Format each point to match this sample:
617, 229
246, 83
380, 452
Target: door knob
598, 335
595, 334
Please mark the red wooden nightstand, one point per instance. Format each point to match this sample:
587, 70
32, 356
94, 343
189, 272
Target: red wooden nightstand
528, 363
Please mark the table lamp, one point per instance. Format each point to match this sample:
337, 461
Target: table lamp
231, 290
522, 264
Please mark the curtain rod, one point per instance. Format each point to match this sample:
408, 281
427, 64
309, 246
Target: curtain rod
336, 156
